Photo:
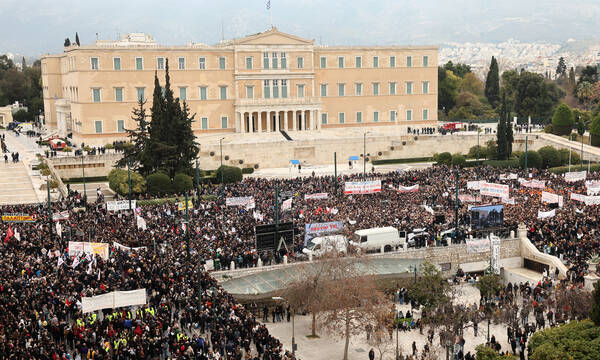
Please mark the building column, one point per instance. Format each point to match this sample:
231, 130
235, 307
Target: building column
294, 117
269, 121
259, 120
318, 119
285, 120
238, 122
312, 119
302, 120
277, 119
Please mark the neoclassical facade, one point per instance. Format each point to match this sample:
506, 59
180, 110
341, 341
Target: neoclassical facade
267, 82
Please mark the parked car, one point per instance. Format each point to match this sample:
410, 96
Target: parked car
384, 238
325, 244
418, 237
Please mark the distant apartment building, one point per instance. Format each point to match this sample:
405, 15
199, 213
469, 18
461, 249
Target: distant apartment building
266, 82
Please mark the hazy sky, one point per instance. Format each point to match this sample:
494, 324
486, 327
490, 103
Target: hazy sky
33, 27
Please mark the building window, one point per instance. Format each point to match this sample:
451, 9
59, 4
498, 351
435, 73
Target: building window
274, 63
275, 89
392, 88
425, 114
223, 122
223, 92
267, 89
265, 60
183, 93
139, 63
375, 88
96, 95
341, 117
323, 90
140, 93
222, 63
117, 63
341, 62
283, 88
119, 94
375, 61
375, 116
94, 62
249, 92
341, 89
202, 63
358, 117
425, 61
323, 118
203, 92
248, 63
425, 87
409, 88
120, 126
408, 61
323, 62
358, 61
181, 63
392, 61
358, 87
160, 63
392, 115
408, 115
301, 90
98, 125
300, 62
204, 123
283, 61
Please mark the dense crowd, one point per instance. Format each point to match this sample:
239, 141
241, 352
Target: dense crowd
188, 315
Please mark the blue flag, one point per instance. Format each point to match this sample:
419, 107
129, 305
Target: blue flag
268, 4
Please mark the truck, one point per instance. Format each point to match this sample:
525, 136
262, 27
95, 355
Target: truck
322, 245
382, 238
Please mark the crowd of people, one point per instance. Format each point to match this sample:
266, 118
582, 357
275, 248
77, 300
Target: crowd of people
188, 315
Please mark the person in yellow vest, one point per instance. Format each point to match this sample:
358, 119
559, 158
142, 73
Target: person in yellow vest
106, 346
109, 317
80, 322
116, 343
92, 318
91, 354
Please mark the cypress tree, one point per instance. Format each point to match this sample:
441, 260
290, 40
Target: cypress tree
187, 148
509, 132
501, 132
77, 39
23, 63
492, 83
138, 155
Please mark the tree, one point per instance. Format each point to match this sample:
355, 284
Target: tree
159, 184
595, 130
448, 84
585, 93
489, 285
529, 94
534, 160
550, 157
595, 313
580, 126
230, 174
432, 289
77, 39
501, 131
486, 353
444, 158
459, 69
471, 83
491, 149
492, 83
458, 160
23, 63
351, 299
561, 69
571, 83
182, 183
575, 340
117, 181
137, 155
575, 303
562, 120
21, 116
588, 74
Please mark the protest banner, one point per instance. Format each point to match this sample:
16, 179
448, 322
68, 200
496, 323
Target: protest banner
314, 230
508, 177
287, 205
535, 184
575, 176
19, 218
120, 205
474, 185
510, 201
181, 205
77, 247
127, 248
317, 196
551, 198
362, 187
59, 216
578, 197
496, 190
113, 300
546, 214
408, 189
469, 198
593, 187
478, 245
246, 201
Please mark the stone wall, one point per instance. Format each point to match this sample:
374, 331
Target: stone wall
95, 165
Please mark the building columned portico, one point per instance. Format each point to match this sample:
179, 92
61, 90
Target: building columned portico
262, 115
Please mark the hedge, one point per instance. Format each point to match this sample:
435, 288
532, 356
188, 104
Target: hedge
162, 201
88, 179
182, 183
231, 174
403, 160
550, 157
564, 169
159, 183
534, 160
247, 170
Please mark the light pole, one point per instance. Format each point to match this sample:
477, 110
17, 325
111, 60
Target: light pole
456, 201
49, 210
526, 171
129, 183
365, 155
197, 178
83, 175
222, 170
478, 131
414, 269
293, 327
187, 225
335, 172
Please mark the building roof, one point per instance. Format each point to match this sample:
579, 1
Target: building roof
272, 37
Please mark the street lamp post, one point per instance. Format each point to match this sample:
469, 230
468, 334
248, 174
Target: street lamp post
129, 184
222, 170
526, 170
365, 155
49, 210
187, 225
478, 145
456, 201
197, 178
83, 174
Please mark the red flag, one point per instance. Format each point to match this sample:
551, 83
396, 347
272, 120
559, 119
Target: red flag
9, 234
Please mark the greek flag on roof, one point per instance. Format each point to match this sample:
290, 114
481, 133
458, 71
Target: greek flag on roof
268, 4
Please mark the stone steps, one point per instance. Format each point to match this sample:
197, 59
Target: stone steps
15, 184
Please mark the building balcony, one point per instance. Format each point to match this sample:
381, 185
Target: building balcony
295, 102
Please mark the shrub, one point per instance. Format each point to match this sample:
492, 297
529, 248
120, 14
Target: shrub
67, 149
247, 170
550, 157
230, 174
444, 158
458, 160
562, 120
511, 163
473, 152
564, 169
87, 148
109, 146
159, 183
548, 129
534, 160
573, 137
595, 130
491, 149
564, 157
117, 181
182, 183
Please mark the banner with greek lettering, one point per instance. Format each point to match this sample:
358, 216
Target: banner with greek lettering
495, 258
510, 201
181, 205
474, 185
496, 190
314, 230
578, 197
77, 247
478, 245
317, 196
469, 198
127, 248
508, 177
113, 300
120, 205
552, 198
63, 215
593, 187
362, 187
536, 184
575, 176
407, 189
546, 214
246, 201
287, 205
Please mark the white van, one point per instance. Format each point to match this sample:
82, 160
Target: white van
384, 239
321, 245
